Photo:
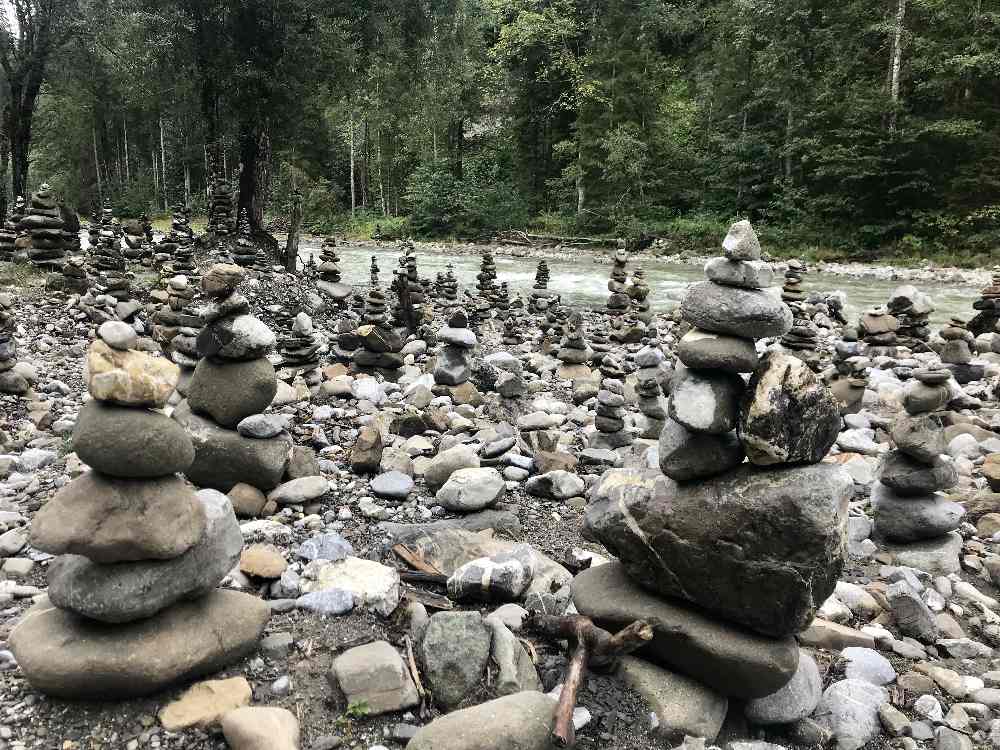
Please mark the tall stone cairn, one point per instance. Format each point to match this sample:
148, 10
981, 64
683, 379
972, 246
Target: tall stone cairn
43, 224
539, 299
487, 276
912, 308
300, 348
877, 330
610, 418
573, 349
132, 603
379, 345
329, 273
618, 299
244, 251
638, 292
955, 350
652, 370
10, 381
988, 306
177, 323
449, 290
8, 237
221, 207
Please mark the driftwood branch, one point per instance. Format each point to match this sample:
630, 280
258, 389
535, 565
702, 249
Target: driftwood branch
593, 647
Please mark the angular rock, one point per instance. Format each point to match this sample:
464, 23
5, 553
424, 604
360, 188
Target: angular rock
366, 455
913, 616
454, 652
376, 675
261, 728
372, 584
685, 455
772, 580
117, 520
130, 378
555, 485
230, 391
203, 704
241, 338
920, 437
850, 709
502, 577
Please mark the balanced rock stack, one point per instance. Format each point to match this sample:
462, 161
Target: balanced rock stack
134, 238
22, 240
132, 603
487, 276
8, 238
539, 299
301, 348
43, 223
907, 509
610, 418
244, 251
503, 300
233, 381
956, 351
379, 345
329, 273
454, 367
653, 368
10, 381
449, 290
792, 292
618, 300
847, 377
75, 279
988, 306
511, 335
912, 308
877, 329
801, 339
414, 285
221, 208
177, 249
638, 292
106, 257
177, 324
573, 350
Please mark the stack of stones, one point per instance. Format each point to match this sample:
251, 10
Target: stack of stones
416, 288
329, 273
610, 419
8, 236
792, 292
106, 258
638, 292
618, 300
132, 601
221, 208
511, 335
956, 351
503, 301
988, 306
22, 239
176, 251
727, 314
912, 308
573, 350
75, 279
485, 280
300, 349
877, 329
177, 324
233, 381
373, 271
652, 364
600, 344
10, 381
539, 299
847, 377
454, 366
907, 508
244, 251
801, 340
43, 224
135, 239
378, 345
449, 290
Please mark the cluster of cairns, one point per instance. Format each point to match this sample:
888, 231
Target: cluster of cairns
42, 227
221, 207
618, 300
232, 385
132, 603
10, 381
9, 232
539, 300
908, 510
988, 306
912, 309
329, 282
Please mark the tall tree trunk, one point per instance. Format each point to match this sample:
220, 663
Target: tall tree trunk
97, 171
128, 172
156, 176
896, 62
4, 169
351, 144
789, 125
581, 193
255, 151
163, 166
292, 244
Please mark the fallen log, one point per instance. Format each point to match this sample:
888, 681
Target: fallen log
593, 648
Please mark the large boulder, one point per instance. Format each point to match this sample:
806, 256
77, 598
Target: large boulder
522, 721
229, 391
729, 659
129, 591
118, 520
224, 458
748, 313
787, 416
706, 542
130, 443
68, 656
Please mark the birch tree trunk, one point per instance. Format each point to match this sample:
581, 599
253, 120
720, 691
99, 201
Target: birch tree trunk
128, 171
97, 170
351, 145
163, 166
896, 63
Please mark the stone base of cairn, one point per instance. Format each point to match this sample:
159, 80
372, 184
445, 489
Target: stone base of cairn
329, 282
43, 224
574, 353
909, 515
988, 306
847, 377
956, 352
132, 603
618, 300
234, 380
801, 340
653, 371
75, 279
610, 418
877, 329
453, 368
627, 328
672, 570
11, 382
912, 308
539, 299
378, 345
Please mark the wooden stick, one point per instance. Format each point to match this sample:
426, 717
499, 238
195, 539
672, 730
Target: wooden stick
413, 667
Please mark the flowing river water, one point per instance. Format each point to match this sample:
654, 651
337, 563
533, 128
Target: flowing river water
582, 278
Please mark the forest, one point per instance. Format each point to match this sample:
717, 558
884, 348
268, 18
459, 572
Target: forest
857, 128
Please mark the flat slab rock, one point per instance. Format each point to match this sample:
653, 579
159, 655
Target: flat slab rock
522, 721
729, 659
705, 543
67, 656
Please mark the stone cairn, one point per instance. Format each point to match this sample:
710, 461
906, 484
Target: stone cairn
877, 329
988, 306
618, 299
43, 224
792, 292
221, 207
752, 551
329, 273
244, 251
22, 240
539, 300
379, 345
638, 292
912, 308
10, 381
847, 377
573, 349
107, 260
511, 335
8, 237
502, 302
487, 276
801, 340
300, 349
652, 367
600, 344
135, 239
454, 359
610, 418
448, 299
956, 352
907, 508
132, 601
176, 251
176, 324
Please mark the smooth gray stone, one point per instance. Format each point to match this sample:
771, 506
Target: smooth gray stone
747, 313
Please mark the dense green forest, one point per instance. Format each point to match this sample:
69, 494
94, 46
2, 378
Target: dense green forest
857, 127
